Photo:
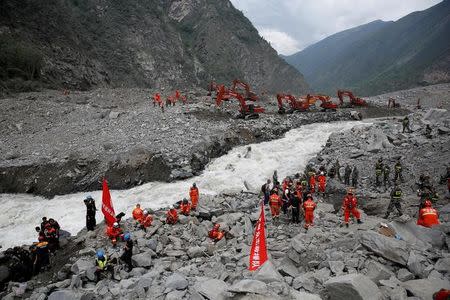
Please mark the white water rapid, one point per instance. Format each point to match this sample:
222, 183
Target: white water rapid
22, 212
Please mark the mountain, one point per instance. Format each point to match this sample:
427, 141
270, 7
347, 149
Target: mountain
381, 56
81, 44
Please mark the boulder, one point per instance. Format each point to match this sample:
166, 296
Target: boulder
420, 236
377, 272
404, 275
176, 281
287, 268
352, 287
85, 267
268, 273
297, 244
296, 295
211, 288
68, 295
142, 259
336, 266
389, 248
196, 251
249, 286
435, 115
418, 264
443, 265
425, 288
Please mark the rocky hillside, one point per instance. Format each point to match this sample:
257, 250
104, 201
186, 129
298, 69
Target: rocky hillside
381, 56
80, 44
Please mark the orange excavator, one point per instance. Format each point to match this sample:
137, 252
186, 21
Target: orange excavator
326, 101
249, 95
247, 111
212, 86
294, 104
354, 101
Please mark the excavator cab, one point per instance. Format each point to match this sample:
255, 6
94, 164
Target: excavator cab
246, 111
354, 101
294, 104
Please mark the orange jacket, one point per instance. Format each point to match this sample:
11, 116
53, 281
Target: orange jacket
322, 179
428, 217
216, 234
138, 213
185, 208
275, 200
312, 180
172, 216
113, 232
309, 205
350, 202
193, 194
146, 221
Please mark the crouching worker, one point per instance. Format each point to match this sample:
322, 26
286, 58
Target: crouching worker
102, 264
137, 213
216, 234
114, 233
185, 207
428, 216
172, 216
146, 220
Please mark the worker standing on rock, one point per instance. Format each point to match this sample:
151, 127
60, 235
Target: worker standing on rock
146, 220
275, 205
312, 181
216, 234
347, 174
138, 213
386, 173
350, 207
308, 208
355, 177
398, 171
322, 183
378, 171
337, 166
90, 213
172, 216
405, 124
428, 216
194, 195
265, 191
294, 204
275, 178
185, 207
396, 197
127, 251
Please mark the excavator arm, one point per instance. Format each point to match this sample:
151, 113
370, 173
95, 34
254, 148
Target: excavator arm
354, 101
249, 95
250, 111
293, 103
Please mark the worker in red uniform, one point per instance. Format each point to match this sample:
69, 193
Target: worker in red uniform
137, 213
185, 207
312, 183
157, 101
428, 216
178, 96
308, 208
146, 220
114, 232
322, 183
299, 190
172, 216
275, 205
194, 195
216, 234
349, 206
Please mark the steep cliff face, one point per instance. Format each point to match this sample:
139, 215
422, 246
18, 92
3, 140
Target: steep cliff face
159, 43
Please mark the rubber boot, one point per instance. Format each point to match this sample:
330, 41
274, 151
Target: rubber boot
359, 221
346, 225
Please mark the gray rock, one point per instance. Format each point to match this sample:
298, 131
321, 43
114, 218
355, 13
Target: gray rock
176, 281
377, 272
420, 236
175, 295
196, 251
296, 295
297, 244
287, 268
84, 267
4, 273
142, 260
389, 248
352, 287
114, 114
425, 288
249, 286
65, 295
337, 267
443, 265
211, 288
404, 275
417, 264
152, 244
268, 273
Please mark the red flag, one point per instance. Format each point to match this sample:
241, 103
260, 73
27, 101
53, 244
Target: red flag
107, 208
258, 252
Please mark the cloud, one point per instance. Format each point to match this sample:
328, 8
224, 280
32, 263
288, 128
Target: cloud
296, 24
280, 41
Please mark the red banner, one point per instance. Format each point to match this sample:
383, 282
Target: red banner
258, 252
107, 207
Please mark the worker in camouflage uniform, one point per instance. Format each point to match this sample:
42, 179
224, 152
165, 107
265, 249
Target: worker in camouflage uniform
337, 166
405, 123
355, 176
378, 171
396, 197
347, 173
386, 173
398, 171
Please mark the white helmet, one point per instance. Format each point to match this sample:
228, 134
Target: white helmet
171, 207
145, 212
116, 224
321, 173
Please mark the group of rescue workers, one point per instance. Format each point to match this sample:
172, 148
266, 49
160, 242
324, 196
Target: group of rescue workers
170, 100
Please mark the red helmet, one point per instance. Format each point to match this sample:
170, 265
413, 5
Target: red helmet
427, 203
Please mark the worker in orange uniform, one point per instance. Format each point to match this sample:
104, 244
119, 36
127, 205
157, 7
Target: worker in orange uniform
194, 195
146, 220
312, 183
137, 213
185, 207
322, 179
157, 101
216, 234
428, 216
172, 216
349, 206
275, 205
178, 96
308, 208
114, 232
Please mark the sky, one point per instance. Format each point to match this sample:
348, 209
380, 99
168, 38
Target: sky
292, 25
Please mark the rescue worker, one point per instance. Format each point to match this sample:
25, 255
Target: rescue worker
337, 166
398, 171
386, 173
41, 234
355, 176
428, 216
294, 204
90, 213
50, 237
127, 251
428, 131
308, 208
114, 232
42, 258
275, 205
304, 182
185, 207
194, 195
405, 123
216, 234
44, 222
378, 171
146, 220
265, 191
172, 216
332, 172
396, 197
425, 195
350, 207
312, 182
347, 174
56, 229
275, 178
322, 183
138, 213
101, 262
